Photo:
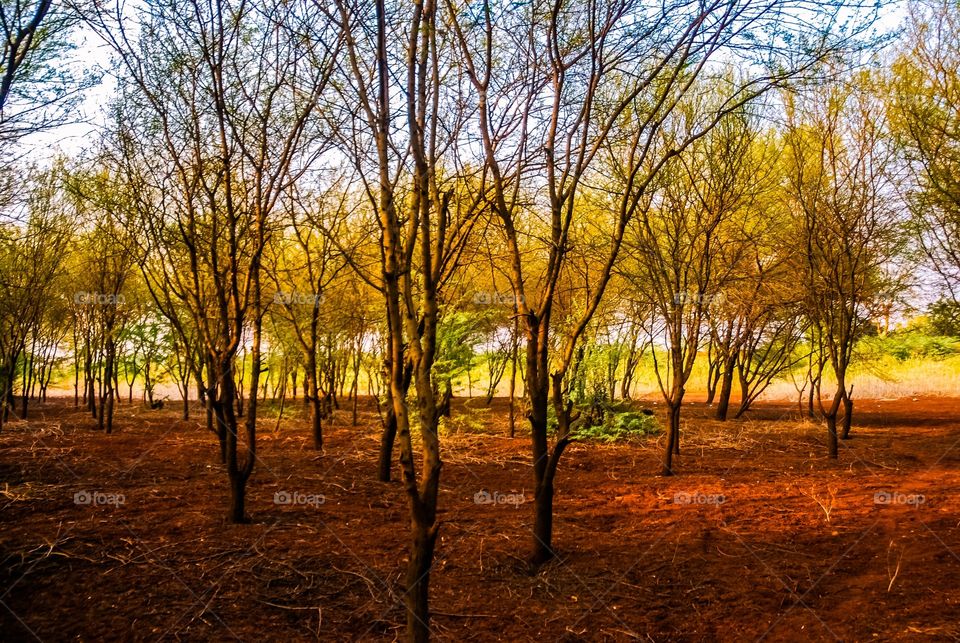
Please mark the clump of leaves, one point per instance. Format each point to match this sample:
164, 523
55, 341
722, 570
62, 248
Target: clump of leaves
911, 343
604, 421
465, 420
617, 427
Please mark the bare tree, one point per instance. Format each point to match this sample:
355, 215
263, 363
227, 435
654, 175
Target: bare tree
304, 264
925, 114
33, 248
40, 82
213, 127
843, 188
564, 87
402, 138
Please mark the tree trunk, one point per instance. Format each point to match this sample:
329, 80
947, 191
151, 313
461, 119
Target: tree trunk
238, 491
543, 524
316, 417
673, 438
831, 417
316, 404
726, 388
386, 445
847, 416
832, 446
713, 376
227, 418
543, 494
424, 537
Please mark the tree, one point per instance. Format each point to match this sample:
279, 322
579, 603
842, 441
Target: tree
842, 188
39, 84
925, 116
413, 185
304, 264
688, 241
207, 161
571, 93
108, 267
33, 247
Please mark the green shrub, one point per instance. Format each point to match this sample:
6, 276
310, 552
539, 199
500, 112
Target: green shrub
464, 420
912, 343
620, 426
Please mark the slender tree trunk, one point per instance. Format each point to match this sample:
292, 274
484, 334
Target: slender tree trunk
109, 365
726, 387
833, 448
186, 396
745, 400
713, 377
673, 433
387, 439
316, 405
513, 374
847, 414
418, 579
356, 394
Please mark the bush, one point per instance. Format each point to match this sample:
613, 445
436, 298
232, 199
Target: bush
913, 343
620, 425
944, 318
464, 420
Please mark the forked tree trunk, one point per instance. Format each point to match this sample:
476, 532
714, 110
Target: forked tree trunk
713, 377
833, 448
847, 414
186, 396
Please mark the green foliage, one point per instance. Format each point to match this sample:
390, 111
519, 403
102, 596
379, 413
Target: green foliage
944, 318
911, 343
458, 335
595, 365
604, 421
464, 421
620, 426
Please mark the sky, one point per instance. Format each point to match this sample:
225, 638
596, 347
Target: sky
73, 138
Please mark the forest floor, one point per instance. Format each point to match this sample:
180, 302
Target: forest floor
760, 536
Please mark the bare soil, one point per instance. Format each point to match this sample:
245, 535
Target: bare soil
760, 536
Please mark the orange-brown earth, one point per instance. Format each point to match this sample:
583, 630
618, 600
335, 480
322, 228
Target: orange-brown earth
799, 549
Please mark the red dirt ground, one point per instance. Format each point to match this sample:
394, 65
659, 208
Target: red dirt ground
798, 550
